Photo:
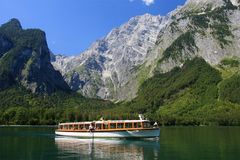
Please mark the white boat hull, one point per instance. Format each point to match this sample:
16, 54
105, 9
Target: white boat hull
115, 134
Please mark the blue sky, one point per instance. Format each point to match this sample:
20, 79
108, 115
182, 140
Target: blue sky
72, 25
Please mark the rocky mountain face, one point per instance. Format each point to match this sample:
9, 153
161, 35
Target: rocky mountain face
25, 60
109, 65
115, 66
208, 29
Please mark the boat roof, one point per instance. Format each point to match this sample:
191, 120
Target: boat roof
105, 121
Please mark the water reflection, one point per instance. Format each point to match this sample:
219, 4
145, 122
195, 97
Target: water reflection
107, 148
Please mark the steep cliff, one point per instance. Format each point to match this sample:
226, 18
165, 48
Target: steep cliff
108, 66
25, 60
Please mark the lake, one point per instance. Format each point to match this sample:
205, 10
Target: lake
26, 143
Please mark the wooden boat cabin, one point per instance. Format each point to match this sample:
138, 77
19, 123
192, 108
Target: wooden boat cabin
111, 125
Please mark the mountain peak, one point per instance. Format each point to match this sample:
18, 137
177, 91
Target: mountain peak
25, 60
190, 4
146, 17
107, 65
216, 3
13, 24
235, 2
204, 1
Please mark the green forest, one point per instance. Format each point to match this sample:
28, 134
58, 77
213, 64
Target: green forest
19, 106
196, 94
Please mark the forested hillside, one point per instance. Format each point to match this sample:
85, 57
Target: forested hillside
19, 106
196, 94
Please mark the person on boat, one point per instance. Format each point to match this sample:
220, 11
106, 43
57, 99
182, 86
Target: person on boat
91, 127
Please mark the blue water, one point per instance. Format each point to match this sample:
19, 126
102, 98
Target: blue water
33, 143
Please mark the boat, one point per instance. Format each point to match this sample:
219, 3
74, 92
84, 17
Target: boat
141, 128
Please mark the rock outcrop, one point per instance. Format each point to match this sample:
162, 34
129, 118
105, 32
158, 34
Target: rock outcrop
107, 67
25, 60
115, 66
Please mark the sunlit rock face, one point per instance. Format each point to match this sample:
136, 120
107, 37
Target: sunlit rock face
115, 66
207, 29
106, 67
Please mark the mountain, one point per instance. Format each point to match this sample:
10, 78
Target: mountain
115, 66
25, 60
195, 69
209, 29
182, 69
107, 68
31, 91
194, 94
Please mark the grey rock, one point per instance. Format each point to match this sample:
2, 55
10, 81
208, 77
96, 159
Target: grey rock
106, 66
115, 66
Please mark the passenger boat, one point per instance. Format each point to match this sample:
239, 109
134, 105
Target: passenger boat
109, 129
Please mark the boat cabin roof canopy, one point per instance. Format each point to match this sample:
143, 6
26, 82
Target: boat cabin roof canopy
107, 121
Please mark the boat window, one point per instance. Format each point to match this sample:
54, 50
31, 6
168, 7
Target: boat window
113, 125
81, 126
128, 125
75, 126
70, 126
99, 126
86, 126
146, 125
137, 125
105, 126
65, 126
120, 125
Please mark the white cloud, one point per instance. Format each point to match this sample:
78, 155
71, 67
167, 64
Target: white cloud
148, 2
